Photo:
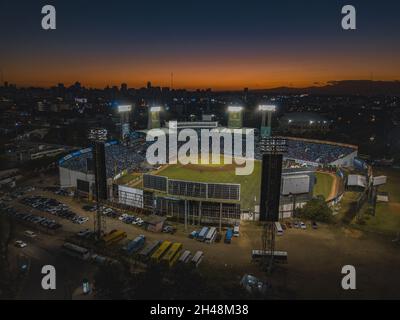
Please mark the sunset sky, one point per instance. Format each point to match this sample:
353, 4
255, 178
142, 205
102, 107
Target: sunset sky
218, 44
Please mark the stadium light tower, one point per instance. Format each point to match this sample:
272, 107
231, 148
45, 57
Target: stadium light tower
98, 136
272, 150
266, 110
235, 117
154, 117
124, 111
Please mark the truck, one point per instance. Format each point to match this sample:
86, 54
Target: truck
278, 228
228, 235
134, 245
194, 234
236, 231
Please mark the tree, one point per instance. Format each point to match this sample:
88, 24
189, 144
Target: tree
316, 209
7, 285
110, 282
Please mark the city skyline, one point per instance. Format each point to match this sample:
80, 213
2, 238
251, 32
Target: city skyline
221, 46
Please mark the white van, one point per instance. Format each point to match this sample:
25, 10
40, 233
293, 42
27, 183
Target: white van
30, 234
236, 231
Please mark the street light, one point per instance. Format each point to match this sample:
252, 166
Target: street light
124, 108
235, 119
154, 117
267, 107
235, 109
155, 109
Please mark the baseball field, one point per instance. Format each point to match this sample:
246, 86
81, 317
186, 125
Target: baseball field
225, 173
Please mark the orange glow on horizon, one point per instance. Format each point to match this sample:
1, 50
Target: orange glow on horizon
199, 73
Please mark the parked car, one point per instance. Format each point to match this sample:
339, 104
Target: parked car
20, 244
303, 225
169, 229
83, 233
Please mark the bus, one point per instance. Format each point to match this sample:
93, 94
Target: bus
149, 249
157, 255
202, 234
211, 234
113, 237
185, 257
172, 255
197, 258
76, 251
278, 228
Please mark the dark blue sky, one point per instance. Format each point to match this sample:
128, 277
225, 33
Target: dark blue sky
205, 43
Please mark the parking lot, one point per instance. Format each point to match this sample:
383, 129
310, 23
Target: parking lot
53, 207
315, 256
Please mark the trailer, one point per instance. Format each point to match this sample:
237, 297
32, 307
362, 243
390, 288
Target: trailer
173, 254
279, 256
185, 257
113, 237
149, 249
135, 245
202, 234
211, 234
76, 251
228, 235
158, 254
197, 258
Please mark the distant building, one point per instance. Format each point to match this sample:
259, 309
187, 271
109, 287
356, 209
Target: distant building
155, 223
302, 122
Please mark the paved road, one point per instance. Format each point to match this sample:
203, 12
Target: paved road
45, 250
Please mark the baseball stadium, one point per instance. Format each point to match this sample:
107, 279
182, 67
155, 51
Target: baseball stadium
208, 193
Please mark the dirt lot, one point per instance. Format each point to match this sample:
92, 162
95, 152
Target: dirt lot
315, 258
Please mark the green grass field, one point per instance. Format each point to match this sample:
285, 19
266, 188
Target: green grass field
323, 185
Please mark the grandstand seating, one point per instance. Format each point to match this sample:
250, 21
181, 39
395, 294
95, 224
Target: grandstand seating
120, 157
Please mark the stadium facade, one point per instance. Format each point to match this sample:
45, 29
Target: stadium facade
200, 201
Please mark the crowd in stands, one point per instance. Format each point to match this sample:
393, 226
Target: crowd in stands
321, 153
120, 157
